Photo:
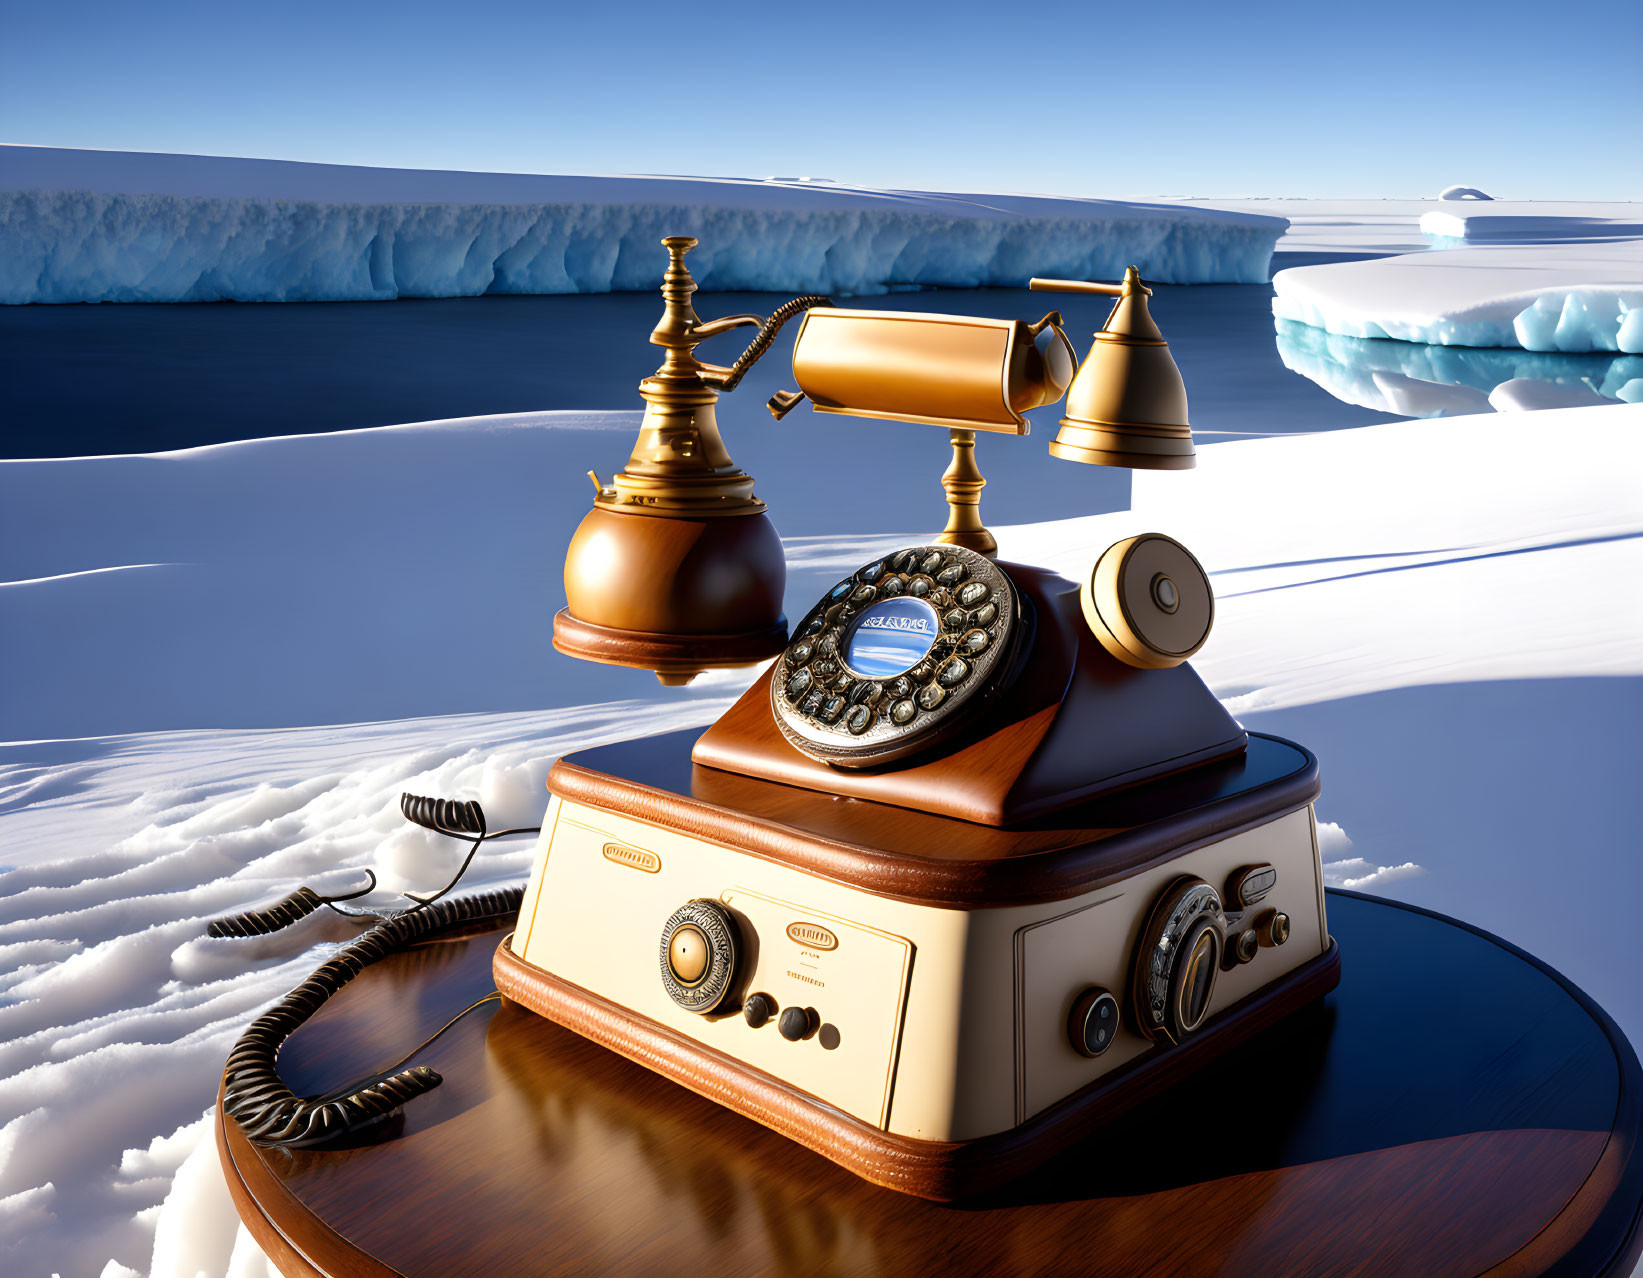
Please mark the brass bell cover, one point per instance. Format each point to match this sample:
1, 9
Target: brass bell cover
1128, 405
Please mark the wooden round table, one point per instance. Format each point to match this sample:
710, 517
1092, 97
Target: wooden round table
1455, 1107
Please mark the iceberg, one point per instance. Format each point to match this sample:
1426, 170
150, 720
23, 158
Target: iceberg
87, 226
1543, 297
1397, 377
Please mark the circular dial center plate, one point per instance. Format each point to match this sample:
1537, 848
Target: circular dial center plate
687, 955
890, 637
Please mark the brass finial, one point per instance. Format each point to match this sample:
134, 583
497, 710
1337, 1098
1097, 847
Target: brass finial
657, 577
679, 464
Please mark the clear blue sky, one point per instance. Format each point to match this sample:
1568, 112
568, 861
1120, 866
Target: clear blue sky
1532, 100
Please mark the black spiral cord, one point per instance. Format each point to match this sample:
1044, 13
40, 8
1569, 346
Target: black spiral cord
269, 1112
461, 819
286, 911
767, 334
266, 1109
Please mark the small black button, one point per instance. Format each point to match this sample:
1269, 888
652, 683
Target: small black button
758, 1009
1094, 1021
795, 1023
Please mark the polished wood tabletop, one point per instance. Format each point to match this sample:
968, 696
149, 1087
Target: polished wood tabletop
1453, 1108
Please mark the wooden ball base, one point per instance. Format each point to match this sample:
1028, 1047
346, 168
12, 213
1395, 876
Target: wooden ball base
1454, 1107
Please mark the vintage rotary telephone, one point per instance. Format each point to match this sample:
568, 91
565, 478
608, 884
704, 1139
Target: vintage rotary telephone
945, 759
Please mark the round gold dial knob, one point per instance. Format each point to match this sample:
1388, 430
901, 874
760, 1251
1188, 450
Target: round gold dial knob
687, 955
699, 955
1148, 602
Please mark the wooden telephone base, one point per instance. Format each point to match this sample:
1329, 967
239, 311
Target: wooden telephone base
1076, 723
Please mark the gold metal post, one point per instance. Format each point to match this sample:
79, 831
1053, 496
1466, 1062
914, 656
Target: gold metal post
963, 481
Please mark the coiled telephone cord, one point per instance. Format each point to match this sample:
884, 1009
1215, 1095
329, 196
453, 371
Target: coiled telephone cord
461, 819
767, 334
269, 1112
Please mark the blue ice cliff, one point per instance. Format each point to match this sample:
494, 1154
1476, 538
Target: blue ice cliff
94, 226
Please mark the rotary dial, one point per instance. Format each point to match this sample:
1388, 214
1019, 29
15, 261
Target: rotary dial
897, 655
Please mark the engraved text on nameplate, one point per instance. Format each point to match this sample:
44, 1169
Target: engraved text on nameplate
633, 858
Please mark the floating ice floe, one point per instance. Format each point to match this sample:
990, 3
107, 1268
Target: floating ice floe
1413, 379
90, 226
1462, 193
1559, 297
1531, 224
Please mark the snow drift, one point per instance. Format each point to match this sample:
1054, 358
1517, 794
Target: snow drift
1549, 297
88, 226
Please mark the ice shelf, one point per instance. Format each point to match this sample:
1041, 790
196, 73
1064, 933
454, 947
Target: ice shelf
1532, 224
1543, 297
1403, 377
90, 226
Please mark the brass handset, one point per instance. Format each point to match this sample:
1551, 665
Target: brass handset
965, 372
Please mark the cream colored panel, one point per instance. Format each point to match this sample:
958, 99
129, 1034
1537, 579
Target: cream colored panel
983, 1041
1092, 942
531, 902
856, 985
599, 920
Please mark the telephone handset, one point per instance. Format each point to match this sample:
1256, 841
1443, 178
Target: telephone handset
899, 655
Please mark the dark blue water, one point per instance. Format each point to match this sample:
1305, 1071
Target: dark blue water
78, 380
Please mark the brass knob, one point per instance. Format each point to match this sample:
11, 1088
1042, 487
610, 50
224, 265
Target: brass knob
698, 955
1272, 927
687, 955
1177, 961
1193, 983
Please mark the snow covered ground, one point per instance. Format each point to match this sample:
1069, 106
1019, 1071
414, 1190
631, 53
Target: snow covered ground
90, 226
1556, 297
1452, 587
